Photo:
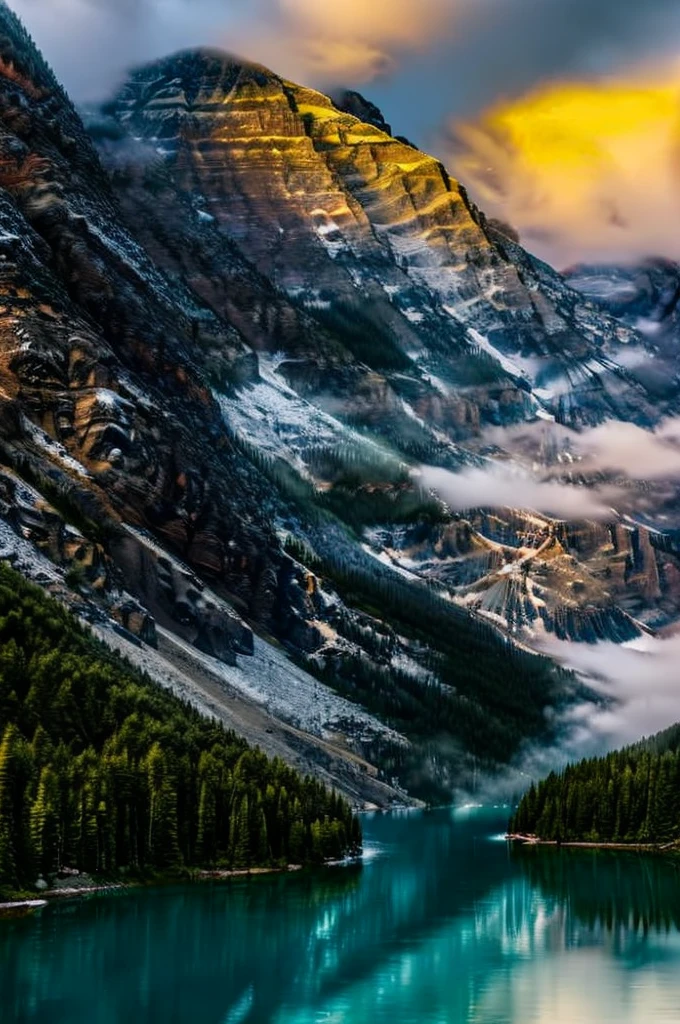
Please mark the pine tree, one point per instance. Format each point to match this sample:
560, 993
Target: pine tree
163, 847
8, 855
45, 822
240, 835
206, 843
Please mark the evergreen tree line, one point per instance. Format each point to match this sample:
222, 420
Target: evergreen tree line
630, 796
103, 770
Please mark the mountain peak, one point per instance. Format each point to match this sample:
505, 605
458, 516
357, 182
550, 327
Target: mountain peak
207, 57
202, 72
352, 102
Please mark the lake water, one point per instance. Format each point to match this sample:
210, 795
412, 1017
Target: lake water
443, 924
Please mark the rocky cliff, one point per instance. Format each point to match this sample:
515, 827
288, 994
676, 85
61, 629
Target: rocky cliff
228, 333
349, 221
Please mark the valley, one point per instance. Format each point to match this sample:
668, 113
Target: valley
339, 512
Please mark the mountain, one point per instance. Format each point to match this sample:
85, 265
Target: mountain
350, 222
442, 326
630, 796
646, 297
235, 320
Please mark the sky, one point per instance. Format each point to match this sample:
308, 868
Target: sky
561, 116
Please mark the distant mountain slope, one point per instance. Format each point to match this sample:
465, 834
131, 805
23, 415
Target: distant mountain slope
646, 297
351, 221
431, 326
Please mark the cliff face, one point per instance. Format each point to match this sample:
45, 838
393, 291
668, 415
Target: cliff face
349, 221
529, 573
227, 336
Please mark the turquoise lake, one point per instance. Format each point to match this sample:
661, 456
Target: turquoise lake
443, 923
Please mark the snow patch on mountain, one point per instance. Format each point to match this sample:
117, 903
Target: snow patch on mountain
289, 693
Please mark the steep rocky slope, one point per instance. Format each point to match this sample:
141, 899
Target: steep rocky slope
223, 353
345, 219
441, 324
115, 461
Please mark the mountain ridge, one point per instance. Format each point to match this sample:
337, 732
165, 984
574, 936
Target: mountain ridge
203, 432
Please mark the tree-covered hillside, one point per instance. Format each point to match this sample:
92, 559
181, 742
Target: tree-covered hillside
100, 769
630, 796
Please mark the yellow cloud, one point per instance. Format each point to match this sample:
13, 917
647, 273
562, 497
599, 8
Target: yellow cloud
583, 169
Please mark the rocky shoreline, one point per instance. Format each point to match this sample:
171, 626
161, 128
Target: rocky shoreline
532, 840
73, 891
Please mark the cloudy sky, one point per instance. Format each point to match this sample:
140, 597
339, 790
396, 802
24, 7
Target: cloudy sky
562, 115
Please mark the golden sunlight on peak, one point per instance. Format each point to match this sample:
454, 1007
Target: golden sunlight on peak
584, 170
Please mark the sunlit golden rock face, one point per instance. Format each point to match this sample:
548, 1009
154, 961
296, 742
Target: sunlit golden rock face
343, 217
286, 173
585, 170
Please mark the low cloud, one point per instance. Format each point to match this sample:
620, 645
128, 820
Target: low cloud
620, 451
635, 693
498, 485
614, 447
627, 448
640, 682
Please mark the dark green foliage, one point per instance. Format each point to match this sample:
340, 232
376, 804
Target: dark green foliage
100, 769
630, 796
494, 693
369, 341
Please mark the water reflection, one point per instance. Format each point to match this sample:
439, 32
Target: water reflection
603, 888
441, 925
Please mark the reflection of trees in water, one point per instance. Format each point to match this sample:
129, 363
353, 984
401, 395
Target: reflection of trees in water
198, 952
603, 888
451, 909
175, 954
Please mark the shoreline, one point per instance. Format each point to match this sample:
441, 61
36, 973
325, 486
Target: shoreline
39, 901
580, 844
